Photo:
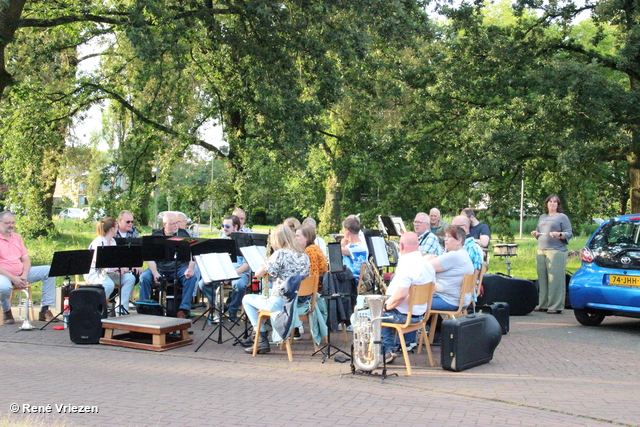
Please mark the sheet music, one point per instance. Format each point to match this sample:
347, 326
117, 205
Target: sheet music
380, 255
215, 267
400, 228
254, 255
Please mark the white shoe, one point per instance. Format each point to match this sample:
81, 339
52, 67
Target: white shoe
350, 328
389, 358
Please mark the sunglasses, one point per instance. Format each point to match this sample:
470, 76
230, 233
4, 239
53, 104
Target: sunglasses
226, 226
129, 222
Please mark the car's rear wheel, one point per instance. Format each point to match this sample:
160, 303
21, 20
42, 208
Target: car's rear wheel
588, 318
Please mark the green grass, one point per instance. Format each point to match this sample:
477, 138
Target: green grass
524, 265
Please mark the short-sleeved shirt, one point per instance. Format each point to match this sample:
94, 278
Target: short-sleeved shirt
359, 254
481, 229
317, 260
474, 251
11, 252
412, 269
239, 258
283, 264
455, 265
429, 244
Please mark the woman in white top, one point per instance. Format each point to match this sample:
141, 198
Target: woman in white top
450, 270
287, 260
106, 229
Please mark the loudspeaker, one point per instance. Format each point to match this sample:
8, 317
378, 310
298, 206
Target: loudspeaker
88, 307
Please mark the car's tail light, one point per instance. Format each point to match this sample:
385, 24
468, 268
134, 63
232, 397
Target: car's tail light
586, 255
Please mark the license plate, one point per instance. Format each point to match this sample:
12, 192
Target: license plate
625, 281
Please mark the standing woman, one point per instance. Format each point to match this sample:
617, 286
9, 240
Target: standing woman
287, 260
553, 233
106, 229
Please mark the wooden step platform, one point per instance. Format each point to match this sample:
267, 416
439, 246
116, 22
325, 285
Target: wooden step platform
146, 332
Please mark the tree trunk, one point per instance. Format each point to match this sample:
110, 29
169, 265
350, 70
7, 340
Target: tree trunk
330, 215
9, 13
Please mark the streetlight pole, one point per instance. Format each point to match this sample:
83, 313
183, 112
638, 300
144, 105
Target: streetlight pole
155, 196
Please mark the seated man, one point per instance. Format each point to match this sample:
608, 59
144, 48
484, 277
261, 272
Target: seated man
412, 269
354, 249
450, 270
479, 230
437, 225
182, 223
126, 227
428, 241
187, 274
242, 216
231, 224
16, 271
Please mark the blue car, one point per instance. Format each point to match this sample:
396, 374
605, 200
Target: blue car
608, 282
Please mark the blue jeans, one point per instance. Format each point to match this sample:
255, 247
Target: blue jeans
256, 302
188, 285
388, 334
36, 274
237, 293
439, 304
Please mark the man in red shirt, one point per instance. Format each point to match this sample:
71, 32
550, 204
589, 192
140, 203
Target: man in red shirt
16, 270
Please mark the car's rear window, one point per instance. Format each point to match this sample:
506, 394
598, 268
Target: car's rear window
617, 245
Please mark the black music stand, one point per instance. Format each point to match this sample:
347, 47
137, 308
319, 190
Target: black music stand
249, 239
166, 248
388, 226
335, 266
209, 246
224, 246
67, 263
119, 257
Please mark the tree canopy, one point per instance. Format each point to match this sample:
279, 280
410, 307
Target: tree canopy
329, 107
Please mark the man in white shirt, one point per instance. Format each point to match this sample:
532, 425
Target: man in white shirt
412, 269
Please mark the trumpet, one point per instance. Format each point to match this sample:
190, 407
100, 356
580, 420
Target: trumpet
26, 325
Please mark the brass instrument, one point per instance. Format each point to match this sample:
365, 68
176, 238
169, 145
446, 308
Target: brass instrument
371, 282
367, 334
264, 280
26, 325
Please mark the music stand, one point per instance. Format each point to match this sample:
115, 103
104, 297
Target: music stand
227, 247
166, 249
118, 257
249, 239
387, 226
68, 263
335, 266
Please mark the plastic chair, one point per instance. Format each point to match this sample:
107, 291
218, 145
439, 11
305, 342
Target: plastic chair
468, 283
418, 295
308, 286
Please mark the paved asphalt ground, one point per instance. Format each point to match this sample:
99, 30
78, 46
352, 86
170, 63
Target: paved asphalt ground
548, 370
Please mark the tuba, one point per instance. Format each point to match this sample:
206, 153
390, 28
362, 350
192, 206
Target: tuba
367, 334
26, 325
